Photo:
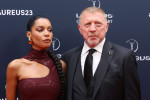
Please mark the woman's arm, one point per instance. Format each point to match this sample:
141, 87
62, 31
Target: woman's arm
63, 66
11, 80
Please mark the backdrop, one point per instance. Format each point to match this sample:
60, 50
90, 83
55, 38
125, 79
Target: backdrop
129, 26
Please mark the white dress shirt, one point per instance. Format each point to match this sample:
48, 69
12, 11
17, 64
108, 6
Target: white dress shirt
96, 56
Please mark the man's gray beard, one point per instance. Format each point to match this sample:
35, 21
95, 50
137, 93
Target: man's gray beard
95, 42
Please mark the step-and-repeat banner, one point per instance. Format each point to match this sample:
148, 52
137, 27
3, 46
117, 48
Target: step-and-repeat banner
129, 26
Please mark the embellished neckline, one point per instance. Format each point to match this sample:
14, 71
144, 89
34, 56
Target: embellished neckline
36, 54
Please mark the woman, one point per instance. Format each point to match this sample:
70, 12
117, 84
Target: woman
38, 75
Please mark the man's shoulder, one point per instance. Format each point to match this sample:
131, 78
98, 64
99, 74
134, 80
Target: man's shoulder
73, 50
120, 49
71, 53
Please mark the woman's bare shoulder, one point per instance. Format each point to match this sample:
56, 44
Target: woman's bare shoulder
17, 63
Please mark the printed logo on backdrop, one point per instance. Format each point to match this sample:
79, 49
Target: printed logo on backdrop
134, 45
16, 12
56, 45
96, 3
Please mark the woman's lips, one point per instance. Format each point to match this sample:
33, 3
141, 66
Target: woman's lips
47, 40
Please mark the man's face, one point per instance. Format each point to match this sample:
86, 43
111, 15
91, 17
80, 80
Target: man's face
93, 28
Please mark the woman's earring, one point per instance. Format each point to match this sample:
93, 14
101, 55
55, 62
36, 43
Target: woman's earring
29, 40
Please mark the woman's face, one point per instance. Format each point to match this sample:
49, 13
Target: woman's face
41, 34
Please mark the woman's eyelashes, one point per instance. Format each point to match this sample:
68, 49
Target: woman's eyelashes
50, 29
41, 29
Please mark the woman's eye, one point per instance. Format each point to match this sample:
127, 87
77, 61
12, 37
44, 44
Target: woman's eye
39, 29
50, 30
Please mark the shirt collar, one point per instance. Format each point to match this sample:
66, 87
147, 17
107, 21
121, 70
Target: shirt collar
98, 48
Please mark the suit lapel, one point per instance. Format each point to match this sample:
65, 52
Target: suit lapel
74, 61
107, 54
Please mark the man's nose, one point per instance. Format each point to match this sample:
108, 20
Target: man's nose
92, 28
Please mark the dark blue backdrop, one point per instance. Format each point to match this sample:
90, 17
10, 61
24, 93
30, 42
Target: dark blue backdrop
129, 27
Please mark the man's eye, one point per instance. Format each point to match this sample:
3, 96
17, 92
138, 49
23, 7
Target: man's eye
88, 24
98, 24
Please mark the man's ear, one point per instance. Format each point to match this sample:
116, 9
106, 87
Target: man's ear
79, 29
107, 26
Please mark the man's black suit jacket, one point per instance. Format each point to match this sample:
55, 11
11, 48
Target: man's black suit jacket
117, 77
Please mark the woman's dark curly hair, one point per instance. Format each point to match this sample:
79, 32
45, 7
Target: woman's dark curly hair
52, 56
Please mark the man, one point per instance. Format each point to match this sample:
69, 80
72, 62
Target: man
113, 74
